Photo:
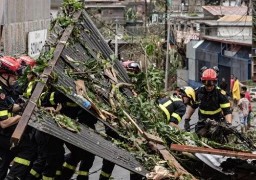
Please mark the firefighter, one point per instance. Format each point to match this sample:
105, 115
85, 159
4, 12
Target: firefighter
23, 153
131, 66
50, 149
77, 155
213, 104
6, 125
173, 108
51, 152
188, 95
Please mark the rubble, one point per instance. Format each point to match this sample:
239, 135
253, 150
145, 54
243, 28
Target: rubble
79, 60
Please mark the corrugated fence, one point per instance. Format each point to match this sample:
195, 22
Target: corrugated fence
19, 17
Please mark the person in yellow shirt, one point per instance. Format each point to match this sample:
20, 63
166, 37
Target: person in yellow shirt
236, 91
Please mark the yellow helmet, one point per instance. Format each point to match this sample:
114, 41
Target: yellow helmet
187, 91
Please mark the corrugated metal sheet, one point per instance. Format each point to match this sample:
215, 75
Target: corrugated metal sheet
88, 140
235, 18
15, 35
226, 10
20, 17
24, 10
245, 41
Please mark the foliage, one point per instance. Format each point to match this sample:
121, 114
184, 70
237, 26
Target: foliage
41, 64
154, 79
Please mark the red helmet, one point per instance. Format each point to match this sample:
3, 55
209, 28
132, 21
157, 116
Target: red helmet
209, 74
26, 61
9, 65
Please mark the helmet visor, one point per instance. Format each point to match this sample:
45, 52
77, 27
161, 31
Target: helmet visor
209, 82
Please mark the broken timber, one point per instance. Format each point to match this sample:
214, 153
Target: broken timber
172, 162
40, 86
193, 149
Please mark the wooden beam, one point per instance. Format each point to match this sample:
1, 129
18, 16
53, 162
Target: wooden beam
172, 162
18, 132
193, 149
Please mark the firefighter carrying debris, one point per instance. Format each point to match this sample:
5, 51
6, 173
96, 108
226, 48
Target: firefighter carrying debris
23, 154
212, 103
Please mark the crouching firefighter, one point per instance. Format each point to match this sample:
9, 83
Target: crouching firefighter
173, 108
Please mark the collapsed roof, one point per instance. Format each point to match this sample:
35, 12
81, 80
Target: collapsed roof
87, 47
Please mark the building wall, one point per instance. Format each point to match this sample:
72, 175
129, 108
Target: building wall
20, 17
235, 31
190, 54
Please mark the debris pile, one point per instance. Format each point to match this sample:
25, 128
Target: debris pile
83, 62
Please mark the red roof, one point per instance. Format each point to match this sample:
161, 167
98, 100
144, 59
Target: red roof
226, 10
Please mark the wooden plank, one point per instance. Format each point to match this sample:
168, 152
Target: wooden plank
193, 149
172, 162
17, 134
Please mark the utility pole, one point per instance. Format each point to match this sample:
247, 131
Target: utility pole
253, 39
116, 39
166, 12
167, 61
145, 17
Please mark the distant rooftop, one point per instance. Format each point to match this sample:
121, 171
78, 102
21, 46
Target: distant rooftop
104, 6
235, 18
226, 10
229, 20
245, 41
225, 23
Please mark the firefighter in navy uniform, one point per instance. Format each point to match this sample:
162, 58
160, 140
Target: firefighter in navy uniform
23, 153
77, 155
212, 103
7, 124
50, 149
174, 108
51, 152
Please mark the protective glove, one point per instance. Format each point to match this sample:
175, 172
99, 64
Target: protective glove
187, 125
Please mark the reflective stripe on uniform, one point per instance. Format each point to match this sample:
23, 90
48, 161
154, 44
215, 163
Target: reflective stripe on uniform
210, 112
58, 173
175, 98
165, 111
83, 173
105, 174
226, 105
175, 115
34, 173
68, 166
27, 94
21, 161
42, 96
10, 114
52, 98
47, 178
4, 113
167, 103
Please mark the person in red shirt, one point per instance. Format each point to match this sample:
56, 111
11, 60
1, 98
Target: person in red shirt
232, 81
247, 96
